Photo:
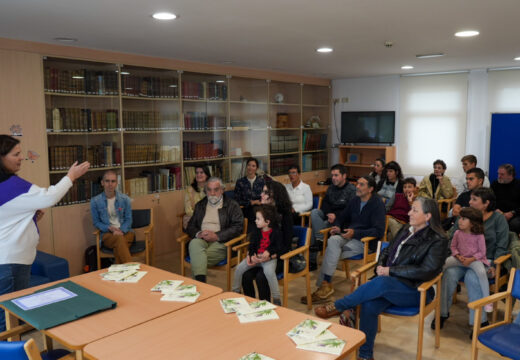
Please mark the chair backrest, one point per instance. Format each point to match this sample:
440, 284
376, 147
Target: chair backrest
141, 218
230, 194
301, 233
515, 291
13, 350
315, 201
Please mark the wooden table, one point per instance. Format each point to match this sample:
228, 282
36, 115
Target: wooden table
136, 304
204, 331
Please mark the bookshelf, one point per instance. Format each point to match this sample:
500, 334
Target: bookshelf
153, 126
366, 156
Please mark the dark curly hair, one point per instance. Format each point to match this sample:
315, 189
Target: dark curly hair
393, 165
475, 218
204, 168
278, 193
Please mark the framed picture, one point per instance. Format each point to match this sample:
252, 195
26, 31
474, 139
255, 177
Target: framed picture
353, 158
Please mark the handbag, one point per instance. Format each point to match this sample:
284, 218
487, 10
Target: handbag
297, 263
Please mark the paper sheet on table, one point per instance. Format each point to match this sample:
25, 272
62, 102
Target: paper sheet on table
43, 298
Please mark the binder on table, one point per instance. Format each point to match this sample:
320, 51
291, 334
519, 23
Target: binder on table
86, 302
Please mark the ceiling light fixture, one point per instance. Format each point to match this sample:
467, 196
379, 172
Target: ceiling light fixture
407, 67
164, 16
221, 81
429, 56
173, 86
77, 77
65, 39
324, 50
517, 58
467, 33
125, 73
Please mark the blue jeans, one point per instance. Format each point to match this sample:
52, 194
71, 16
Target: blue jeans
450, 279
375, 297
13, 277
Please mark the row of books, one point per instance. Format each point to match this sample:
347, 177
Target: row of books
149, 182
280, 166
315, 161
214, 169
193, 150
151, 153
104, 155
198, 120
197, 90
284, 143
149, 86
312, 141
80, 81
83, 120
149, 120
82, 190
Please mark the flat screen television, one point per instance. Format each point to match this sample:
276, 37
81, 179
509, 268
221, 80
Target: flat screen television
367, 127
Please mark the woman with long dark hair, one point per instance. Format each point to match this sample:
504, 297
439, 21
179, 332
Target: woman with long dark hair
20, 204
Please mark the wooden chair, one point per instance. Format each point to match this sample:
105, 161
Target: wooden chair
229, 262
360, 259
444, 210
284, 278
419, 312
142, 220
317, 199
500, 338
27, 350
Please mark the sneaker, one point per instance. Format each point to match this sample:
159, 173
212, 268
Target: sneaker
443, 319
277, 302
326, 311
320, 296
488, 308
348, 318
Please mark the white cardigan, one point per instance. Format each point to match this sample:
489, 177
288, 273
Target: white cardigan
19, 201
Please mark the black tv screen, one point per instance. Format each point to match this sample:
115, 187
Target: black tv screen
368, 127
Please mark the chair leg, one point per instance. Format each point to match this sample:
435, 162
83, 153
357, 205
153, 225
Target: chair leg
420, 338
454, 300
309, 296
228, 274
285, 292
379, 318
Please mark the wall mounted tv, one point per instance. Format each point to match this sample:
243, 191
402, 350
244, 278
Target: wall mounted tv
367, 127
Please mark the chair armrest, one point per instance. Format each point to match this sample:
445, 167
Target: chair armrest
183, 238
291, 253
367, 239
306, 213
240, 247
428, 284
325, 231
96, 233
488, 299
235, 240
501, 259
362, 269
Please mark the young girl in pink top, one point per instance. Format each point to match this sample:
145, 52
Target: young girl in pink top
468, 248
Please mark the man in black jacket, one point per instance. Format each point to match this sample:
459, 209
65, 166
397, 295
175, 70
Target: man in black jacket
364, 216
507, 192
216, 220
336, 199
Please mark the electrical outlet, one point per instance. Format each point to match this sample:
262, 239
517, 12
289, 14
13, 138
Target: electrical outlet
344, 100
335, 101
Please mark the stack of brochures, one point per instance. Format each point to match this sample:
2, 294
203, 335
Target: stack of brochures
255, 356
173, 290
124, 273
249, 312
314, 335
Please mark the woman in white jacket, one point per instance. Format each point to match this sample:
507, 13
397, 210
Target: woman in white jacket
20, 202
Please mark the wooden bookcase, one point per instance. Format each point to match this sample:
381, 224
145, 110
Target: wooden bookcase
364, 157
153, 126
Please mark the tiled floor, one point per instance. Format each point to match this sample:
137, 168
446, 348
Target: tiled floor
398, 337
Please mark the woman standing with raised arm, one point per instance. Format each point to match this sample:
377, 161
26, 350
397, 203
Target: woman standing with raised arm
20, 202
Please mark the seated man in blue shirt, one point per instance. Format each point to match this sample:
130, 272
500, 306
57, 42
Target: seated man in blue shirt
364, 216
112, 216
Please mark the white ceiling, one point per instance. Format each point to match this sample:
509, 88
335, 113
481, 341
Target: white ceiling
282, 35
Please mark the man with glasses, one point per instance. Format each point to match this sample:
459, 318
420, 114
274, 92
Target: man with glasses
216, 220
299, 192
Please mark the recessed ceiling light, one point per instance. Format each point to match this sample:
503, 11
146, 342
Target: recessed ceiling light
228, 62
172, 85
220, 81
467, 33
125, 73
164, 16
77, 77
129, 88
324, 50
517, 58
407, 67
66, 39
429, 56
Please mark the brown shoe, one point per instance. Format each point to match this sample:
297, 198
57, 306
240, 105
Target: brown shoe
326, 311
320, 296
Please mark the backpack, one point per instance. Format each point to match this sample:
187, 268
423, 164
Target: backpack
91, 260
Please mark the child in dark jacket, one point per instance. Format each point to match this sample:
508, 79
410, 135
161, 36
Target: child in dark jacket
264, 247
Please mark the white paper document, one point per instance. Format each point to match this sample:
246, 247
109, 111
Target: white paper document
43, 298
232, 305
255, 356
